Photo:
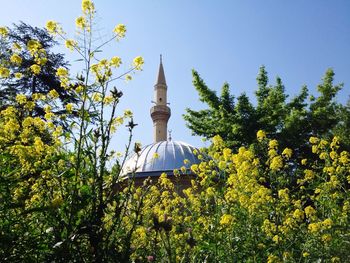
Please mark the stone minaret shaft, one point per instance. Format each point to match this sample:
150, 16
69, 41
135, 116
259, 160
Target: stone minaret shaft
160, 113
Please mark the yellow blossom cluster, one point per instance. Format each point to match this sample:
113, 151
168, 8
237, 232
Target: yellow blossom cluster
71, 44
254, 200
4, 72
80, 22
3, 31
88, 7
63, 74
138, 63
120, 30
16, 59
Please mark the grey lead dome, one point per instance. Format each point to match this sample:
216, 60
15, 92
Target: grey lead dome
164, 156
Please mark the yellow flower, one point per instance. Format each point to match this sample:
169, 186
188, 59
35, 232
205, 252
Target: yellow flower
313, 140
4, 72
21, 98
314, 227
120, 30
128, 114
269, 227
272, 259
323, 156
128, 77
287, 153
38, 96
18, 75
51, 26
323, 143
34, 198
80, 22
30, 105
3, 31
210, 191
155, 156
260, 135
69, 107
41, 61
309, 211
96, 97
333, 155
138, 62
344, 157
57, 201
53, 93
273, 144
226, 153
118, 120
222, 165
283, 194
309, 175
226, 219
16, 59
47, 109
303, 161
335, 259
276, 239
326, 238
115, 61
194, 168
87, 6
39, 145
16, 47
217, 140
306, 254
33, 46
276, 163
108, 100
35, 69
79, 89
62, 72
298, 214
71, 44
327, 223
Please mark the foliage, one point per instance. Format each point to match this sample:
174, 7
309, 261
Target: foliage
291, 122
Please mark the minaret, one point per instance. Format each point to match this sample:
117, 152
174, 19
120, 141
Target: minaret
160, 113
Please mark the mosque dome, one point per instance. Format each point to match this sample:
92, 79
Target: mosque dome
159, 157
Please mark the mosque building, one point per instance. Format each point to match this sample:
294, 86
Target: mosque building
164, 155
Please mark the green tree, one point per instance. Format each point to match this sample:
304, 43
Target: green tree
291, 122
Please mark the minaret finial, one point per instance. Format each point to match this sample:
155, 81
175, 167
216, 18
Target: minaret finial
169, 136
161, 62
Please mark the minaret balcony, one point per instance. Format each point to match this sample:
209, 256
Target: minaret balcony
160, 112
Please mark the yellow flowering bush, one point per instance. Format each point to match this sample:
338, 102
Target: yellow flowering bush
63, 198
244, 209
59, 194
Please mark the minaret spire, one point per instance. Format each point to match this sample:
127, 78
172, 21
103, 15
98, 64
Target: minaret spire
160, 113
161, 75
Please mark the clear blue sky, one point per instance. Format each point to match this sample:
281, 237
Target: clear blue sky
224, 40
